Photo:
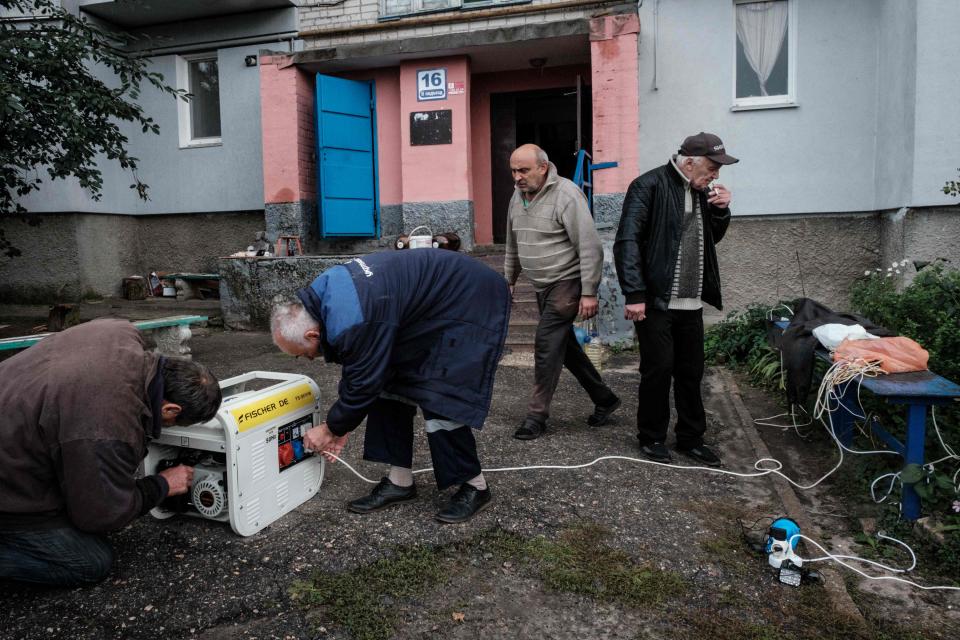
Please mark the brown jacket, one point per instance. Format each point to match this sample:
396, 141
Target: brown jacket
75, 417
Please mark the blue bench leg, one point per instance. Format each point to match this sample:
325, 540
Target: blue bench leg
844, 415
916, 432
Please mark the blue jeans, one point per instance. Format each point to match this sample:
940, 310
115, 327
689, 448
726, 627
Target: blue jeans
64, 557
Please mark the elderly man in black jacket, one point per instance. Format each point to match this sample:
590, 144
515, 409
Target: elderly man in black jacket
667, 266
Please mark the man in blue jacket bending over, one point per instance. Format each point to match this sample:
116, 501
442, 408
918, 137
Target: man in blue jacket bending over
418, 328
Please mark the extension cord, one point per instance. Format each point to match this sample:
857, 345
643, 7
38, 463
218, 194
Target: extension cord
826, 390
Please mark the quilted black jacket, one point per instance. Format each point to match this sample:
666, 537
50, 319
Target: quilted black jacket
645, 251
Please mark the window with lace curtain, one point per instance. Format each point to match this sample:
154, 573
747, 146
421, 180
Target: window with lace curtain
765, 67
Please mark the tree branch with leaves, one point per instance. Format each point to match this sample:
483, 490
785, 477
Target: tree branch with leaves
58, 115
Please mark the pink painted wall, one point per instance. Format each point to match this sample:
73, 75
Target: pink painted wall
616, 115
441, 172
387, 86
306, 135
286, 99
482, 85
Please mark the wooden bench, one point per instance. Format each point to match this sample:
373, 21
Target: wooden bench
170, 335
918, 390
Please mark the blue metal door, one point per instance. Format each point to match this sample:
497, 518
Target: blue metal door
348, 199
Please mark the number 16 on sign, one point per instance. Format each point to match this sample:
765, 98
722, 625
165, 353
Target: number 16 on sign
432, 84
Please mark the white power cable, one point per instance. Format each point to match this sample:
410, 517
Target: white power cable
833, 556
840, 560
847, 373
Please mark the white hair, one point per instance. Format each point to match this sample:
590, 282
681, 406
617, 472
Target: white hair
542, 156
696, 159
291, 321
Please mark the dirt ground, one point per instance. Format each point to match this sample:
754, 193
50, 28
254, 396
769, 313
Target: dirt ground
615, 550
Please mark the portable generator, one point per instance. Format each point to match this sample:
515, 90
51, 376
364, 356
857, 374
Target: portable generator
250, 466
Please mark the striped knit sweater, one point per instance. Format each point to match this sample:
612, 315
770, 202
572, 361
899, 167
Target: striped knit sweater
691, 244
553, 237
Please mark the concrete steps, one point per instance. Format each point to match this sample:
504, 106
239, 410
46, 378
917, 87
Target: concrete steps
524, 314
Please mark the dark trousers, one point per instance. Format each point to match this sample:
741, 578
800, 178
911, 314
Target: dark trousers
389, 438
671, 347
556, 347
64, 557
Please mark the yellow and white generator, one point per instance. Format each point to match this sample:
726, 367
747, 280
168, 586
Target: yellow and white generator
250, 466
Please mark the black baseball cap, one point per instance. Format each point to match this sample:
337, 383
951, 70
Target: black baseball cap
706, 144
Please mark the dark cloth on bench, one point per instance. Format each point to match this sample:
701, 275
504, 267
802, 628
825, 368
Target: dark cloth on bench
797, 343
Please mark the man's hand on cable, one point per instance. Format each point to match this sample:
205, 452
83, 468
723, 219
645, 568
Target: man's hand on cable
720, 196
588, 307
324, 441
636, 312
178, 478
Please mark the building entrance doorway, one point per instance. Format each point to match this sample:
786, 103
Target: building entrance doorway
557, 120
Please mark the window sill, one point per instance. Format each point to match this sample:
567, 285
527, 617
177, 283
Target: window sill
202, 144
769, 105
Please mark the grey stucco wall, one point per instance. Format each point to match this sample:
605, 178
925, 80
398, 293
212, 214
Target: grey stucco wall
68, 256
815, 151
227, 177
920, 234
938, 94
248, 286
607, 208
300, 218
454, 215
896, 113
759, 257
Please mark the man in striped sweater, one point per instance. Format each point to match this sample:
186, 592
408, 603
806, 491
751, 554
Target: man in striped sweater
552, 238
667, 266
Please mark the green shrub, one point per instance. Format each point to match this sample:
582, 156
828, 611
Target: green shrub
740, 342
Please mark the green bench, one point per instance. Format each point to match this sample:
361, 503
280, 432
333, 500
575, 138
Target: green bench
170, 335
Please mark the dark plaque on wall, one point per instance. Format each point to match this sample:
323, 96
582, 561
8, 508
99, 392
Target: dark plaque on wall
431, 127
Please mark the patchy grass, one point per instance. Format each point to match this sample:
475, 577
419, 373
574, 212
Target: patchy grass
363, 600
579, 563
367, 600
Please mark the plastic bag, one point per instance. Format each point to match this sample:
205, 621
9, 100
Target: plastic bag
832, 334
896, 355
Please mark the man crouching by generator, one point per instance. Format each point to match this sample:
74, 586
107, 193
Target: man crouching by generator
77, 412
422, 328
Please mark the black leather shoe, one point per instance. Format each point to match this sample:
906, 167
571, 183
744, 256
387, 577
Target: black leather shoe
702, 454
601, 415
467, 501
656, 451
383, 495
531, 429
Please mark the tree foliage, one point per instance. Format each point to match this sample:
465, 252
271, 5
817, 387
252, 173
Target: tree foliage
57, 117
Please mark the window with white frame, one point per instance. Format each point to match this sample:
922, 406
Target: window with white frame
766, 53
199, 117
